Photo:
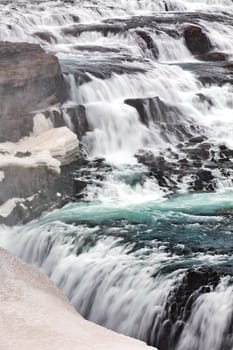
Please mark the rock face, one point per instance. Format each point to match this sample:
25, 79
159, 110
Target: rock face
168, 118
29, 79
180, 301
43, 174
32, 88
42, 318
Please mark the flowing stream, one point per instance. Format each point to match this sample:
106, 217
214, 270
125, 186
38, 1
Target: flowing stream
133, 255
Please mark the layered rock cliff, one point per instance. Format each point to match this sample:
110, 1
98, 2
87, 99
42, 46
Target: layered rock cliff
32, 90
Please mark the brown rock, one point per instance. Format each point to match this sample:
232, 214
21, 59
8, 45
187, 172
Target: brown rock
30, 79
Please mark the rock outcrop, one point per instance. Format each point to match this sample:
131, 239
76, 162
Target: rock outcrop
43, 165
177, 311
35, 144
168, 118
30, 79
35, 315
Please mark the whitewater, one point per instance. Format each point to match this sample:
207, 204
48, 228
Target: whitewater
148, 259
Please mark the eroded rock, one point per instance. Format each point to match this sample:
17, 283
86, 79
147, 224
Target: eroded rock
29, 79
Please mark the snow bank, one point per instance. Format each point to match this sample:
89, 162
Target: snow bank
51, 148
36, 316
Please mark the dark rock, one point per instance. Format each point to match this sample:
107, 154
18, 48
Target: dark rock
196, 40
76, 18
198, 139
45, 36
168, 327
23, 154
218, 72
205, 99
105, 28
150, 44
213, 56
168, 118
164, 335
102, 69
79, 120
225, 152
97, 48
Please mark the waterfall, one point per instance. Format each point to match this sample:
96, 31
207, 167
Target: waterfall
147, 251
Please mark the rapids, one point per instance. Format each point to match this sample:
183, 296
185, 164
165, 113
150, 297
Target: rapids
133, 255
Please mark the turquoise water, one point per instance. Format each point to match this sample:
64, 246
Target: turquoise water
120, 258
188, 225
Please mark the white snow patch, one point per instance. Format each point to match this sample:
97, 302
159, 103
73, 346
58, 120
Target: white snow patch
7, 208
41, 124
39, 317
51, 148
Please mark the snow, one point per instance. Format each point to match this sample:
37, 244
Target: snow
7, 208
35, 315
50, 148
41, 124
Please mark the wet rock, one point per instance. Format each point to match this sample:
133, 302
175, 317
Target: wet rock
168, 118
77, 115
97, 48
76, 18
197, 139
205, 99
164, 335
45, 36
105, 28
23, 154
196, 40
218, 72
196, 281
200, 152
150, 44
213, 56
102, 69
203, 180
225, 152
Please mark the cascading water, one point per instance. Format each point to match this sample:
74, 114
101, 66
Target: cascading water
139, 254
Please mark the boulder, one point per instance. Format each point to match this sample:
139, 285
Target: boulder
196, 40
213, 56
